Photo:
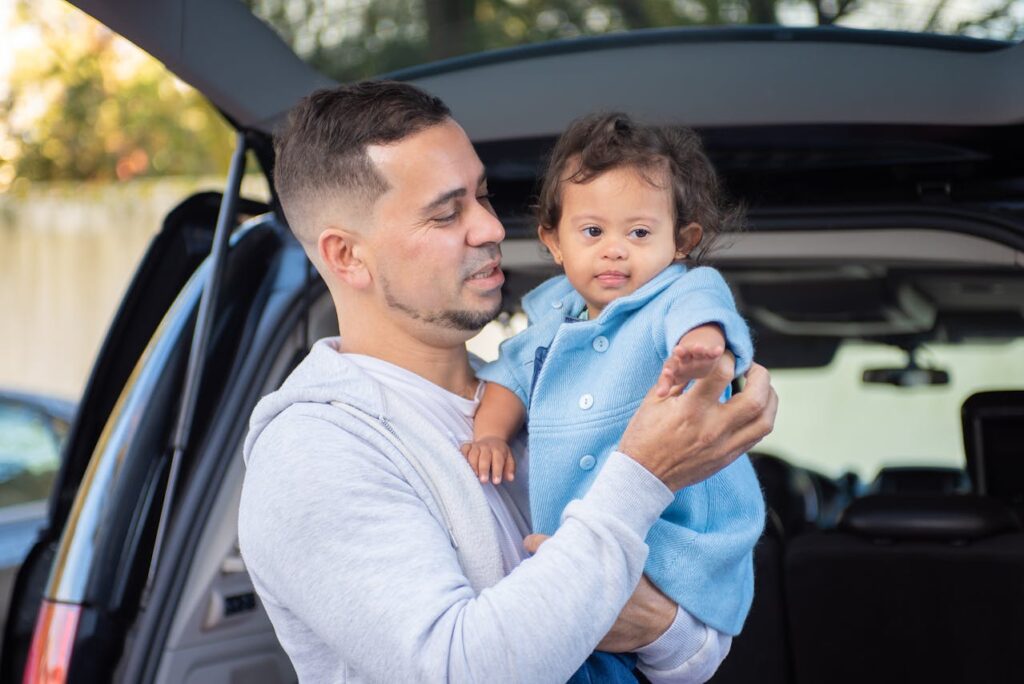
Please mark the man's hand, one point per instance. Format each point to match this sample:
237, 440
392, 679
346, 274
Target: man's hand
644, 618
686, 438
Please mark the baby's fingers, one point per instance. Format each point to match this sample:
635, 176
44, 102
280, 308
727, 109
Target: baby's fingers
498, 459
483, 468
510, 468
472, 453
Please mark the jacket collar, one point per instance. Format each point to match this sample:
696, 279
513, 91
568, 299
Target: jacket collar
556, 297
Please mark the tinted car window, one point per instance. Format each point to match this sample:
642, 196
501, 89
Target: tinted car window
30, 444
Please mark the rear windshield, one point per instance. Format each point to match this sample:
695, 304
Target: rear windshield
352, 39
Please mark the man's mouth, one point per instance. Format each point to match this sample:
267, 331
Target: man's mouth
488, 277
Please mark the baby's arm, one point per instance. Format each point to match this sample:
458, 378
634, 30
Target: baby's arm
498, 419
693, 357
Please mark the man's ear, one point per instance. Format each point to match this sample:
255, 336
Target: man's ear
550, 240
689, 238
341, 253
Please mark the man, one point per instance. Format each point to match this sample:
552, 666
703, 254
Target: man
375, 550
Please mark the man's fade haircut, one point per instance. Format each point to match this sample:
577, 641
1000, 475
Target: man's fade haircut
321, 150
601, 142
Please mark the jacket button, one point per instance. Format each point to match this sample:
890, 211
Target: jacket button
600, 343
556, 305
587, 462
586, 401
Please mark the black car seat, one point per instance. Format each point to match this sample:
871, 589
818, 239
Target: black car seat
920, 480
909, 589
789, 493
993, 425
760, 653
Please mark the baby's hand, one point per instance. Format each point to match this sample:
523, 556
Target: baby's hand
693, 357
490, 456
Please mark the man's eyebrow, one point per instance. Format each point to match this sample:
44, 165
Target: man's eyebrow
447, 197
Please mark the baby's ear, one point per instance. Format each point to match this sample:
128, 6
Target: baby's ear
689, 238
549, 238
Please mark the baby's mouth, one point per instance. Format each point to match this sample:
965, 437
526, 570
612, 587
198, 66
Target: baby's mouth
612, 277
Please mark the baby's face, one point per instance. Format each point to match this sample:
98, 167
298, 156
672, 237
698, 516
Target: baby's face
616, 233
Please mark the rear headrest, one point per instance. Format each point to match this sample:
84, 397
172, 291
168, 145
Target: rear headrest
927, 518
921, 480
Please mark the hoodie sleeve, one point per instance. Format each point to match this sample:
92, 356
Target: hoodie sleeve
700, 297
332, 530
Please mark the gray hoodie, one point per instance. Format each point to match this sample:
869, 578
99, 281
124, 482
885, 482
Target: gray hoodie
365, 534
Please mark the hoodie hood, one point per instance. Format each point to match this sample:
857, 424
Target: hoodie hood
322, 377
360, 409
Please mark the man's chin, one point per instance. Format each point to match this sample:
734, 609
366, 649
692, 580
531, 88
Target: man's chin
468, 320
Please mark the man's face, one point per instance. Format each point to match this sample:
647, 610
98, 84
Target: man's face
434, 249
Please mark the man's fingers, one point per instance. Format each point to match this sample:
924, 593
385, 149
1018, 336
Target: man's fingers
760, 421
533, 542
710, 387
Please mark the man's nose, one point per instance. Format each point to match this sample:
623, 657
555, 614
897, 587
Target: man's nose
484, 227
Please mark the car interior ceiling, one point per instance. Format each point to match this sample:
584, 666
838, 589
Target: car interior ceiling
913, 519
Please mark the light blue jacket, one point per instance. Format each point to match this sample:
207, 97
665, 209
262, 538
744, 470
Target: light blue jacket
592, 377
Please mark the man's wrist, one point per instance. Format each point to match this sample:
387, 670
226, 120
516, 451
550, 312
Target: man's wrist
674, 646
629, 492
636, 455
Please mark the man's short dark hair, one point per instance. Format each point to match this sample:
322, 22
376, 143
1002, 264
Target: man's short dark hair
601, 142
321, 150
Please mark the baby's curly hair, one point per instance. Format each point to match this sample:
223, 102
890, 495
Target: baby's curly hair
600, 142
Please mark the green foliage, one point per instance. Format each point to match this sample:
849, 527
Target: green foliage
83, 104
349, 40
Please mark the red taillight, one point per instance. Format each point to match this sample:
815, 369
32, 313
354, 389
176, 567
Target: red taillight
51, 644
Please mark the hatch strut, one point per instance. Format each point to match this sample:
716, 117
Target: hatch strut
226, 220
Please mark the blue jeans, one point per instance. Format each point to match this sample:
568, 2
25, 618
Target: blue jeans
606, 668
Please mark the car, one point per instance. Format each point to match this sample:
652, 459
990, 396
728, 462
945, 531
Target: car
882, 273
33, 428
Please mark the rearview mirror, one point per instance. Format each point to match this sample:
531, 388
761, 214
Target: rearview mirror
906, 377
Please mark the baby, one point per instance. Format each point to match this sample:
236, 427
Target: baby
621, 206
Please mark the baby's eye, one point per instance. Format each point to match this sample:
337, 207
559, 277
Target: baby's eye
640, 232
592, 231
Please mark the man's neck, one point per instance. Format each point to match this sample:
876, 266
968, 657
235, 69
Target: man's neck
445, 365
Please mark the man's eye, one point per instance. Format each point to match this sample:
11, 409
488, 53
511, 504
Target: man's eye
592, 231
486, 197
448, 218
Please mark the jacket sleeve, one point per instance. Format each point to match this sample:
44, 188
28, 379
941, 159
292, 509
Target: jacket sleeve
504, 372
331, 530
701, 297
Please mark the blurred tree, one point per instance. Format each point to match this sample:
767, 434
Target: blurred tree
84, 104
353, 39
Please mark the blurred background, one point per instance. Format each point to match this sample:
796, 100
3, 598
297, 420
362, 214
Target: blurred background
98, 141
